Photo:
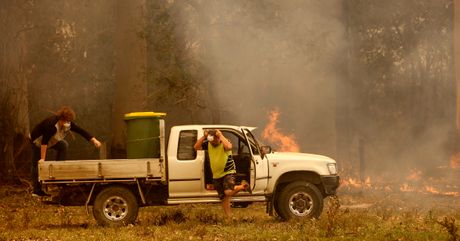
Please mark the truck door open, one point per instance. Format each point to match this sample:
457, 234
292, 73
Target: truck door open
241, 154
259, 165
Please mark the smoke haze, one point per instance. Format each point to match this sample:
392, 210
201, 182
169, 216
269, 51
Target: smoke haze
392, 87
272, 54
337, 71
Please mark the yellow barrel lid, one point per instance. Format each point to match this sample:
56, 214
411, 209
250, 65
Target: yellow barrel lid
134, 115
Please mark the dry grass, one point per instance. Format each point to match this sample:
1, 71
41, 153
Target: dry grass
358, 216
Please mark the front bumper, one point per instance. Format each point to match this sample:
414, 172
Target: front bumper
330, 184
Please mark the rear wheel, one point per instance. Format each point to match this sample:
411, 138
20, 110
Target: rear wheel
115, 206
299, 200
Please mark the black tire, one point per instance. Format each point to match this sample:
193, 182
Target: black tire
115, 206
299, 200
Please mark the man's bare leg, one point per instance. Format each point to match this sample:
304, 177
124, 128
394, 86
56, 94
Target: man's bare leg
226, 206
235, 190
226, 201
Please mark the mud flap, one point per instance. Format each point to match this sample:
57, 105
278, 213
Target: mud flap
270, 207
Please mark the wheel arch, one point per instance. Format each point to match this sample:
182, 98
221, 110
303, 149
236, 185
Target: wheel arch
100, 187
293, 176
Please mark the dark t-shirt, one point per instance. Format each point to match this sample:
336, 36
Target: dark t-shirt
47, 129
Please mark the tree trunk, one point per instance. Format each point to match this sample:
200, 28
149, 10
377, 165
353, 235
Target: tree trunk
13, 96
457, 56
342, 118
130, 68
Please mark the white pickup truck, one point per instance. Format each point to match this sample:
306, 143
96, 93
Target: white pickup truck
291, 184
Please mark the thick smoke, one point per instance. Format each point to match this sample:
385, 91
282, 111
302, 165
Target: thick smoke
312, 61
273, 54
404, 97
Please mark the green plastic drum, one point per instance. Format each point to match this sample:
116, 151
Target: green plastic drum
143, 129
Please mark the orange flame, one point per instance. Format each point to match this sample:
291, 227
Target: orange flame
427, 190
406, 188
350, 182
273, 135
356, 183
455, 161
367, 182
430, 189
414, 175
415, 183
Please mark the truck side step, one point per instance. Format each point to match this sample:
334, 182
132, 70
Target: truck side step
190, 200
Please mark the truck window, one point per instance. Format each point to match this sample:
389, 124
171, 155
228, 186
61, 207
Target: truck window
252, 142
239, 145
233, 139
185, 150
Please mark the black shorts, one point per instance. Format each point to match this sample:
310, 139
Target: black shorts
226, 182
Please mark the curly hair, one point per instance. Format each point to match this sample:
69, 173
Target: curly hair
66, 113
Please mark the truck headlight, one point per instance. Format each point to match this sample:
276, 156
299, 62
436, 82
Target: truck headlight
332, 168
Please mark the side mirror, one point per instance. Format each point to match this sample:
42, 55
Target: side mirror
265, 150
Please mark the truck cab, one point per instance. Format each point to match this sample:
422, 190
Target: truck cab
189, 172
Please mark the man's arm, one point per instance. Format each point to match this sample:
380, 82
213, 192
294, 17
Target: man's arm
48, 132
96, 142
199, 143
82, 132
74, 127
43, 151
227, 144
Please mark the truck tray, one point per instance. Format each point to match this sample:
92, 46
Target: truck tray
77, 170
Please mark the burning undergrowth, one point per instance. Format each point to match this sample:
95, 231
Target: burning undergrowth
438, 181
455, 161
441, 181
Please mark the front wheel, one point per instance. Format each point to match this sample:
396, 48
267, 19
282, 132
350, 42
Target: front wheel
115, 206
299, 200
